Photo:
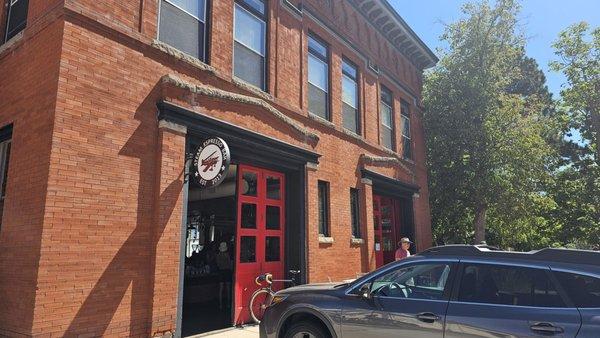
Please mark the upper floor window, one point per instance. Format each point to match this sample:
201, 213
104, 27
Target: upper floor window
387, 118
183, 25
323, 188
318, 77
250, 35
350, 112
406, 138
16, 18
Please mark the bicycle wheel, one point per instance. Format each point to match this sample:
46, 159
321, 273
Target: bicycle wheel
261, 298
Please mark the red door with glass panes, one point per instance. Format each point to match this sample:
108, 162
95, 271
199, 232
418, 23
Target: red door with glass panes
386, 221
260, 232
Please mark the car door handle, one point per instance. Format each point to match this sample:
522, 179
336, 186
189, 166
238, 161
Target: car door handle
427, 317
546, 328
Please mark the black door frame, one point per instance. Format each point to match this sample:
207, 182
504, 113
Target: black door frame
402, 191
254, 149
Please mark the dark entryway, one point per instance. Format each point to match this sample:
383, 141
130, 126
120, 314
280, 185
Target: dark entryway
255, 150
393, 214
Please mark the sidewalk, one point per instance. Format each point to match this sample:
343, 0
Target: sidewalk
248, 331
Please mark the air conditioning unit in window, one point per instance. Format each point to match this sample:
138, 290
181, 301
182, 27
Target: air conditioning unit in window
373, 67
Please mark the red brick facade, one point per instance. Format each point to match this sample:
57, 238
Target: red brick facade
91, 225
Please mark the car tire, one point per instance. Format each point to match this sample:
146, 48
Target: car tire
306, 329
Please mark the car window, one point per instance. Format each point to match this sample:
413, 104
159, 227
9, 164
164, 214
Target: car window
508, 285
584, 291
420, 281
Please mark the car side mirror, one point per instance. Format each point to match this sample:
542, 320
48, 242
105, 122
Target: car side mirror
365, 291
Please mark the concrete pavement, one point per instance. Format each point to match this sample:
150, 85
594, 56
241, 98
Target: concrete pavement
248, 331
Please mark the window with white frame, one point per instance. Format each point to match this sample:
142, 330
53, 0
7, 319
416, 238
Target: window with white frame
406, 138
387, 118
250, 35
182, 24
318, 77
350, 111
16, 18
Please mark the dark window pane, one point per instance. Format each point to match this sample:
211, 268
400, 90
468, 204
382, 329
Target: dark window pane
248, 216
273, 187
355, 213
272, 249
517, 286
181, 30
406, 148
247, 249
17, 17
386, 96
350, 118
250, 179
273, 218
405, 126
584, 291
4, 157
317, 101
323, 208
248, 65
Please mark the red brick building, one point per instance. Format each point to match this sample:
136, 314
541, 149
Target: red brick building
102, 107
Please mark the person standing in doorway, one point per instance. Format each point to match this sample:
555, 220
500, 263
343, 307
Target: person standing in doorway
224, 264
403, 248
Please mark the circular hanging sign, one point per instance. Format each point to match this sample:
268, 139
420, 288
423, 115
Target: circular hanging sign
211, 162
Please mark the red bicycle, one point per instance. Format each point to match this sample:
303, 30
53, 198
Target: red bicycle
261, 298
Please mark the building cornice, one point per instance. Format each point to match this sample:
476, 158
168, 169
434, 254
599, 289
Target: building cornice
381, 15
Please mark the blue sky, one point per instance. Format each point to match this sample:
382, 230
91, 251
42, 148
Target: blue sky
542, 20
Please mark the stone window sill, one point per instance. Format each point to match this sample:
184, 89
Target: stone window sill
327, 240
11, 42
321, 120
357, 241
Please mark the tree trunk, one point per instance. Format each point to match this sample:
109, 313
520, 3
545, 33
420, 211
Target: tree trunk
479, 223
596, 129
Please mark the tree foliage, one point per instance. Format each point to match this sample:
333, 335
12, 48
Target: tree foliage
576, 188
491, 132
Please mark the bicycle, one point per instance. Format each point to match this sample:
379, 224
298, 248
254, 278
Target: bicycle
261, 298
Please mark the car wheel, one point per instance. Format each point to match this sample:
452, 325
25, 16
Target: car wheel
306, 330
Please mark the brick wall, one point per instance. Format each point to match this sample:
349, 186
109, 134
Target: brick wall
28, 82
102, 184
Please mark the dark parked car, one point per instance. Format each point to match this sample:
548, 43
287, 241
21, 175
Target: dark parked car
451, 291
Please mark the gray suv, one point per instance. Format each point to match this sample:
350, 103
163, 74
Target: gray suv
451, 291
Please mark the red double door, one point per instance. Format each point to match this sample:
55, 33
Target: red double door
260, 232
386, 213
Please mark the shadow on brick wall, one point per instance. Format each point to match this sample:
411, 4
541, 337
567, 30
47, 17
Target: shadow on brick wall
132, 265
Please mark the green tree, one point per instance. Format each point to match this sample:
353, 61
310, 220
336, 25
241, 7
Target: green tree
576, 189
490, 128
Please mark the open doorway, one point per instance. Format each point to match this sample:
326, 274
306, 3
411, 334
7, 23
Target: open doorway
209, 262
392, 221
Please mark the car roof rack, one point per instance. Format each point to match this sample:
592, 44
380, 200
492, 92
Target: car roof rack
571, 256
